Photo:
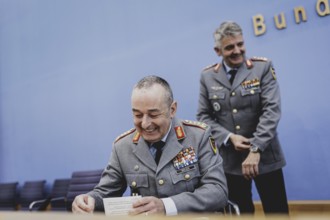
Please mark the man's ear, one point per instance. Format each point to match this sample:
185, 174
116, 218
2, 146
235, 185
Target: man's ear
217, 51
173, 108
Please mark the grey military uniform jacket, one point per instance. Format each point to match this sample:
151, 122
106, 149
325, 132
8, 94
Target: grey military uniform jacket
250, 107
190, 169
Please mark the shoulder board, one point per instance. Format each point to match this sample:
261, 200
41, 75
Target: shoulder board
264, 59
215, 67
125, 134
210, 66
195, 124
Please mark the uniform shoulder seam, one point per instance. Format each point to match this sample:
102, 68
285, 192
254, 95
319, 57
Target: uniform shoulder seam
255, 58
197, 124
124, 134
209, 67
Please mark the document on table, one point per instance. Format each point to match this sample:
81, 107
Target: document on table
119, 205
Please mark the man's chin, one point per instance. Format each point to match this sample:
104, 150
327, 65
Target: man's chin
237, 62
150, 138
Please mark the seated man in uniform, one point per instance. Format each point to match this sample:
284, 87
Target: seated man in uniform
173, 164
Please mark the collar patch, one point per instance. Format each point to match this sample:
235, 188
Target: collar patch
136, 137
249, 64
179, 132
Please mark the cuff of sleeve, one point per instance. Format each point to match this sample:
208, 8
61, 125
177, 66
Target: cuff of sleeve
170, 208
226, 140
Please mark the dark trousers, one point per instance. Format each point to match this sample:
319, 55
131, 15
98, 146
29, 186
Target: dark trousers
270, 187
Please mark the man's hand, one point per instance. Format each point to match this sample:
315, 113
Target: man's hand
240, 142
148, 205
250, 165
83, 204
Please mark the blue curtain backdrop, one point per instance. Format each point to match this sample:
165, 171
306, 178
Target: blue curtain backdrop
67, 68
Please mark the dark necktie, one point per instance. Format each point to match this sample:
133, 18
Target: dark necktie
232, 75
158, 145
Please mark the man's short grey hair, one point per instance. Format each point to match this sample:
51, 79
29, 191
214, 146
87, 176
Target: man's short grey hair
149, 81
227, 28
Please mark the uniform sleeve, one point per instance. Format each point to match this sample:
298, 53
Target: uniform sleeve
205, 113
211, 195
271, 109
112, 182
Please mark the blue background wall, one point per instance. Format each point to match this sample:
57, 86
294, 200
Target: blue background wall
68, 66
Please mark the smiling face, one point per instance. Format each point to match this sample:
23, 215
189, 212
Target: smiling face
152, 114
232, 50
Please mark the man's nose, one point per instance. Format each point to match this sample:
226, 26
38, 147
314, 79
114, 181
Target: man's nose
146, 121
237, 49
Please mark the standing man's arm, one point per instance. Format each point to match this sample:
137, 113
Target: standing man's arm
270, 109
268, 120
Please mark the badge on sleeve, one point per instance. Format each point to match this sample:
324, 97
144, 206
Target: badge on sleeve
213, 145
272, 70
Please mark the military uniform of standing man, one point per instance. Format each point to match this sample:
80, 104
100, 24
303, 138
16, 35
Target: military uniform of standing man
173, 164
240, 100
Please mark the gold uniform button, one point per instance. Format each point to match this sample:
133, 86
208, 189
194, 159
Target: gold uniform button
215, 96
134, 184
233, 94
238, 127
252, 91
234, 110
187, 177
160, 182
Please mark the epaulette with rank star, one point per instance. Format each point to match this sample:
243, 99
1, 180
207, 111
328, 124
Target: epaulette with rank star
264, 59
125, 134
198, 124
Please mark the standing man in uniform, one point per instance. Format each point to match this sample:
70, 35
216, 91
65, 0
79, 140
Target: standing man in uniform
240, 100
173, 164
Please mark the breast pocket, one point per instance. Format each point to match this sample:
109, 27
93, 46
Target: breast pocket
217, 100
185, 180
250, 99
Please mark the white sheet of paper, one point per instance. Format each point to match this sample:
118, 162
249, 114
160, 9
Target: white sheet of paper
118, 205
